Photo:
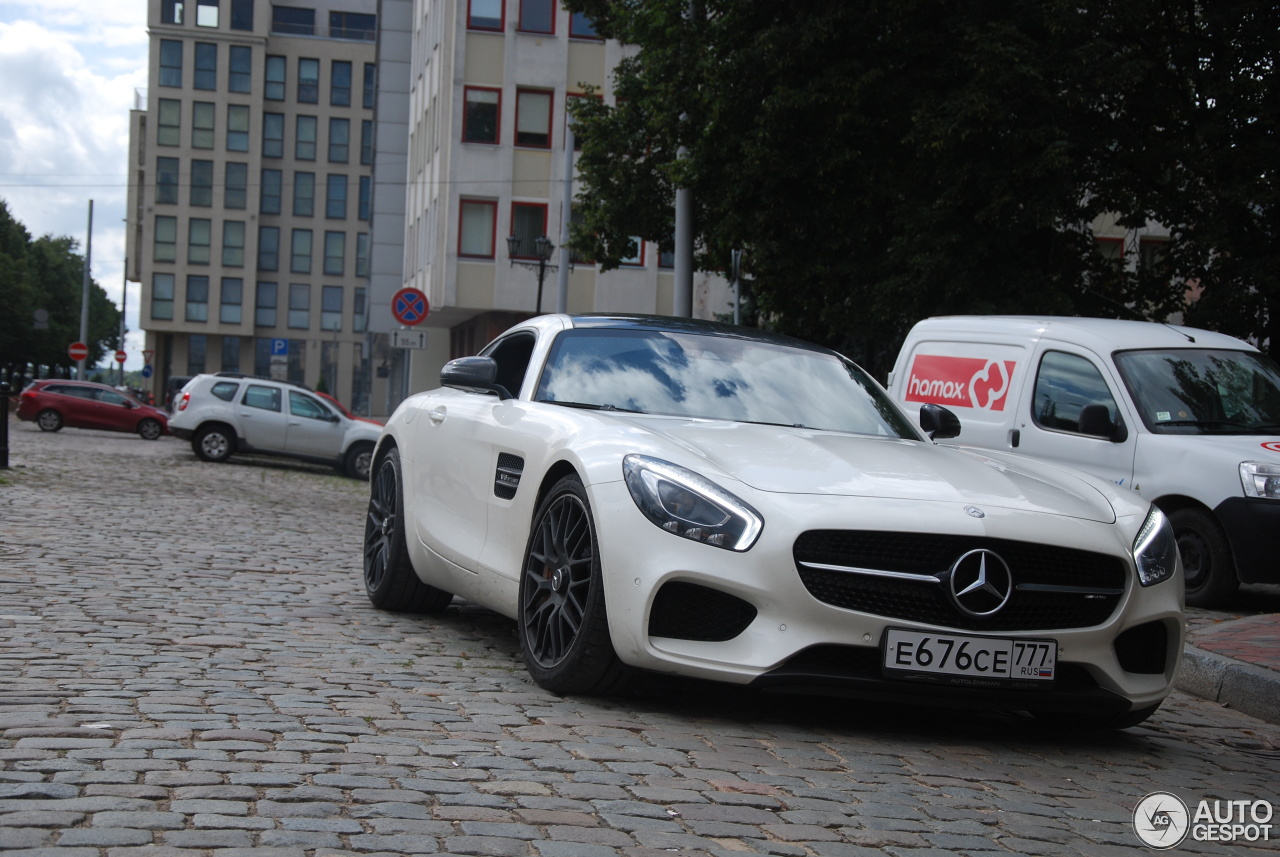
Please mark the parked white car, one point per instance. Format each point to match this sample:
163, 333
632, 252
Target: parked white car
719, 502
227, 413
1188, 418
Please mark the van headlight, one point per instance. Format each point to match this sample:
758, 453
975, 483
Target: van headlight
1260, 479
1155, 550
687, 505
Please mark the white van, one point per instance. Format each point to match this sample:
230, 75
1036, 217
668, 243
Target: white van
1188, 418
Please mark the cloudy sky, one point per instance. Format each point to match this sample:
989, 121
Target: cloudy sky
70, 70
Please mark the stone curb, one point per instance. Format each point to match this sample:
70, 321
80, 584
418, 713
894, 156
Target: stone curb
1247, 688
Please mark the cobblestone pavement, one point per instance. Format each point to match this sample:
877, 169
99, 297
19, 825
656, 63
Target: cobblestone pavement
188, 665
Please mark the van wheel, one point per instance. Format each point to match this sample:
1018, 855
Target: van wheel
1206, 558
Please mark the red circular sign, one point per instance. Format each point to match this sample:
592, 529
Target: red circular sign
78, 351
410, 306
121, 356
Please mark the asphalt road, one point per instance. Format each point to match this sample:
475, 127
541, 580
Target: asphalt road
188, 665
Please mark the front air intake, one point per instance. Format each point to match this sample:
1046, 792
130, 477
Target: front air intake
690, 611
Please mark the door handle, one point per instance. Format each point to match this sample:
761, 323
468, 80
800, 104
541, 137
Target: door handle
436, 415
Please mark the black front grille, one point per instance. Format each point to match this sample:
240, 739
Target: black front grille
688, 611
1048, 580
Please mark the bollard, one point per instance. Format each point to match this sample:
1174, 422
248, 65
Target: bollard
4, 425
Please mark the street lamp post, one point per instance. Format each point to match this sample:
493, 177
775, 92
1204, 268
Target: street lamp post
542, 248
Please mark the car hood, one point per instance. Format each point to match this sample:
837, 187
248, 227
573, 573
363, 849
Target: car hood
786, 460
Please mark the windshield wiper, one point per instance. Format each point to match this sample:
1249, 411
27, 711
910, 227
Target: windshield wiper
589, 406
1229, 424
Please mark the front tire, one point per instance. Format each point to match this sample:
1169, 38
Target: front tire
150, 429
49, 420
213, 443
358, 461
564, 632
389, 578
1206, 558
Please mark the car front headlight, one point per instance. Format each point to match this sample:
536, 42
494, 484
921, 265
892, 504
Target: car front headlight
1260, 479
1155, 550
687, 505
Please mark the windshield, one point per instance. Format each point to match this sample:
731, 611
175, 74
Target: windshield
716, 377
1203, 391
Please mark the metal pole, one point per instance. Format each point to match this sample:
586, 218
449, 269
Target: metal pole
84, 291
684, 226
735, 269
566, 209
4, 425
124, 307
542, 273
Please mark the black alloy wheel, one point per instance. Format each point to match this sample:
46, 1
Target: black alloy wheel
389, 578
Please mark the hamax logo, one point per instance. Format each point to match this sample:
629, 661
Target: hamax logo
961, 382
1273, 445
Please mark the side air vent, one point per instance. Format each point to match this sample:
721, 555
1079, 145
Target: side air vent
688, 611
507, 479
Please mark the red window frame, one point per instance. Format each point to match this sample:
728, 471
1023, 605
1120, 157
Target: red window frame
539, 205
497, 131
551, 109
523, 29
492, 205
502, 19
593, 36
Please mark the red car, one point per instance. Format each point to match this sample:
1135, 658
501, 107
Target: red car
343, 409
53, 403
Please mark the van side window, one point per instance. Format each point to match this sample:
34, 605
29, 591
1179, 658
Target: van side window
1065, 385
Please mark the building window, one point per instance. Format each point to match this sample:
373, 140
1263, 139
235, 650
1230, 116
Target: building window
292, 21
538, 16
240, 69
171, 11
359, 315
169, 122
362, 254
206, 76
166, 180
166, 243
533, 118
335, 200
370, 85
480, 115
335, 253
304, 194
485, 15
582, 27
242, 14
196, 344
331, 307
232, 298
197, 297
237, 128
276, 71
308, 80
1152, 255
304, 144
235, 193
300, 252
666, 258
231, 348
268, 248
366, 141
272, 184
162, 297
202, 125
273, 135
577, 256
233, 243
366, 191
202, 183
340, 83
170, 63
206, 13
478, 221
299, 306
339, 140
353, 25
264, 309
528, 223
199, 238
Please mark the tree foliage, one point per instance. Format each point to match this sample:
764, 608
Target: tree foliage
47, 273
880, 162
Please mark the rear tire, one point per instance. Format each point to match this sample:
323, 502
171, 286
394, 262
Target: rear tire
358, 461
389, 578
49, 420
213, 443
1206, 558
150, 429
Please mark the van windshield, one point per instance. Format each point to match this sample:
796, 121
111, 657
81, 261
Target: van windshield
1203, 391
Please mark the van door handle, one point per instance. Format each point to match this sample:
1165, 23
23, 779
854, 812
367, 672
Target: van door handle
436, 415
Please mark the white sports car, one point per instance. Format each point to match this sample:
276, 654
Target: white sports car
720, 502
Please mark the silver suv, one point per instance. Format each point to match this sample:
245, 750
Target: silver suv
226, 413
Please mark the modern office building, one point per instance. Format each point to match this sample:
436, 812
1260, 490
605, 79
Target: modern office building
250, 191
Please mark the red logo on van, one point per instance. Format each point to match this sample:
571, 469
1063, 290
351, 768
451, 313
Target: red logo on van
1272, 445
960, 382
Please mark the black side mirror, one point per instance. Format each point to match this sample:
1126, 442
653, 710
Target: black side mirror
938, 422
474, 374
1095, 421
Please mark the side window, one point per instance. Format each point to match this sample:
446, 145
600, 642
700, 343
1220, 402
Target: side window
264, 398
512, 355
111, 397
1065, 385
304, 406
225, 390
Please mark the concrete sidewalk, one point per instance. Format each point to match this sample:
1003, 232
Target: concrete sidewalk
1234, 658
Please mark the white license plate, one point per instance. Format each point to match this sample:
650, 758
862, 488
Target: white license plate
970, 658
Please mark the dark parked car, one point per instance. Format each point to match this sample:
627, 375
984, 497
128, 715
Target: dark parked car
53, 403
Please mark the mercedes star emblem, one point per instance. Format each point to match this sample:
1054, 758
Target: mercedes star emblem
980, 583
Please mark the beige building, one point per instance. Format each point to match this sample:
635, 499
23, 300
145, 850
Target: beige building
250, 191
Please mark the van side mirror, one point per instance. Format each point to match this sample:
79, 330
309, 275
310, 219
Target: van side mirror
938, 422
473, 374
1095, 421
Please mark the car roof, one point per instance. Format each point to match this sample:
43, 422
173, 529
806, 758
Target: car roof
239, 376
1102, 334
689, 325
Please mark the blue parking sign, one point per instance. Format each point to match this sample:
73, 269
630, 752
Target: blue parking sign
279, 348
